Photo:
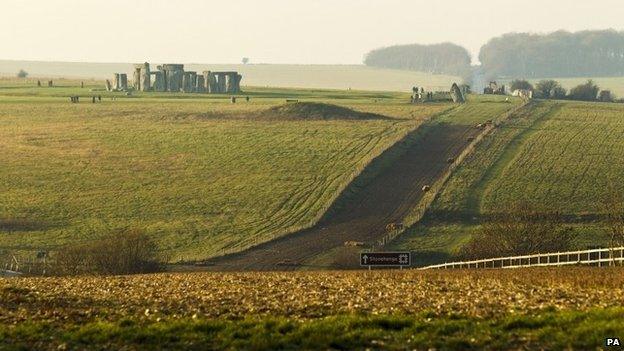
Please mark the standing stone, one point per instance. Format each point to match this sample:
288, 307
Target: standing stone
210, 79
221, 87
189, 81
146, 76
200, 84
159, 81
120, 82
174, 80
123, 81
186, 82
39, 83
232, 82
174, 74
50, 84
238, 77
109, 87
142, 77
229, 82
136, 77
456, 94
117, 81
193, 81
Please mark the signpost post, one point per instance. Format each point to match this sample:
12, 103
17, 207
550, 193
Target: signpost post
385, 259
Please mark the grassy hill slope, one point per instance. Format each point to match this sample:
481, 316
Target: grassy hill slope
203, 175
562, 155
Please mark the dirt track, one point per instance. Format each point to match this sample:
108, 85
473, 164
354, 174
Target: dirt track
387, 198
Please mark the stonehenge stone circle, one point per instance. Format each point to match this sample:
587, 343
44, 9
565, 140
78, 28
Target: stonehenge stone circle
173, 78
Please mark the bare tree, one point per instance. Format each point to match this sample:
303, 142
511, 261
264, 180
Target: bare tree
522, 229
614, 209
128, 251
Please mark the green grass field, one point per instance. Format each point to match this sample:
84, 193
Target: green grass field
564, 156
566, 161
203, 175
358, 77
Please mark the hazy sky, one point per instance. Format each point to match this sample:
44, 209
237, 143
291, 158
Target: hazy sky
273, 31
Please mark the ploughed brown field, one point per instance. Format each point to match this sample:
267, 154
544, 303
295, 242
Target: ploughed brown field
475, 293
563, 308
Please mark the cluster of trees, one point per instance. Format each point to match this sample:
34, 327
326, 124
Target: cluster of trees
523, 229
526, 228
126, 252
597, 53
558, 54
445, 58
551, 89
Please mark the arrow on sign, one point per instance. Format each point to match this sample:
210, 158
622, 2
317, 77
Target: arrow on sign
365, 257
403, 259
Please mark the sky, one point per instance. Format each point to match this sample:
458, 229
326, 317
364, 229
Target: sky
273, 31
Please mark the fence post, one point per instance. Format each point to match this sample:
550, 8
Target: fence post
599, 258
610, 257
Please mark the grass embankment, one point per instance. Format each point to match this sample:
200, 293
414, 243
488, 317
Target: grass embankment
202, 175
560, 155
496, 309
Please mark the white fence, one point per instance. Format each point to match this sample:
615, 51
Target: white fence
598, 257
14, 265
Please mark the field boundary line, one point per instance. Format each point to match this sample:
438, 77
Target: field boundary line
553, 259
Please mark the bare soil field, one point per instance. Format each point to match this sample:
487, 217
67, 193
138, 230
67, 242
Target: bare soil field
570, 308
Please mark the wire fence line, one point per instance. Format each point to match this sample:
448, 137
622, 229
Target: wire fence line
599, 257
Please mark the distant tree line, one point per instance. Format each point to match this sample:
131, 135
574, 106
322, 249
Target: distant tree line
558, 54
551, 89
445, 58
597, 53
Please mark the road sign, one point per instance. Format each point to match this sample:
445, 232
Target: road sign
396, 259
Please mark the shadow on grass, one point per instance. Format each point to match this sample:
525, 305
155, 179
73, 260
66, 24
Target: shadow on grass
22, 225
